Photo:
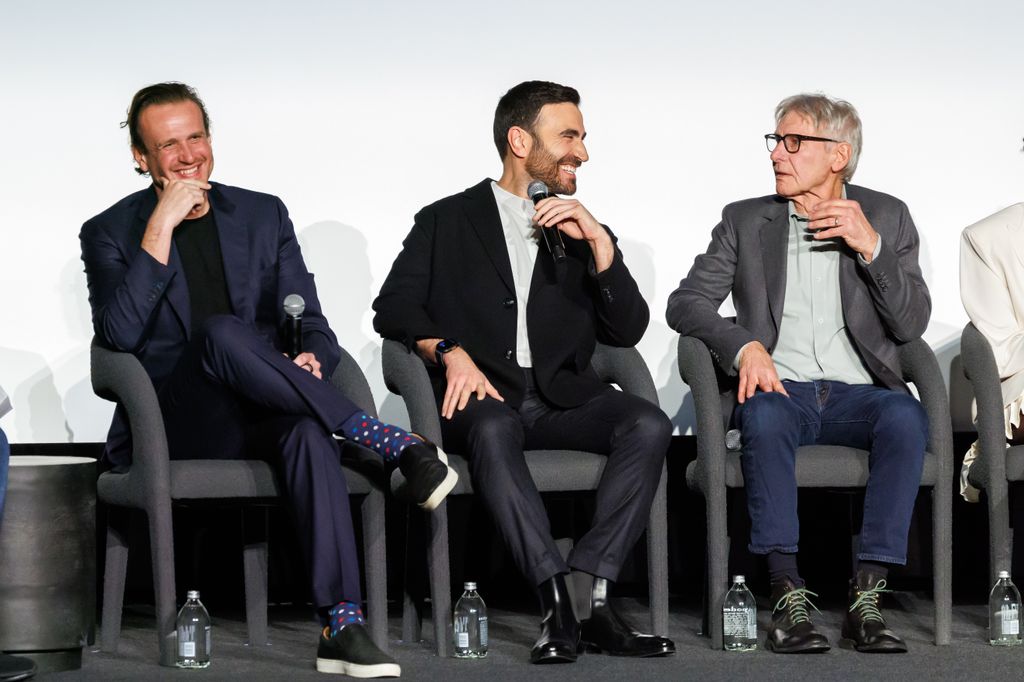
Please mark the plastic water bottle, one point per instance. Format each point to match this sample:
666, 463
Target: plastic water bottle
193, 633
739, 617
470, 623
1004, 612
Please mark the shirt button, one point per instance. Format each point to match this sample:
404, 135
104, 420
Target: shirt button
821, 320
509, 302
508, 355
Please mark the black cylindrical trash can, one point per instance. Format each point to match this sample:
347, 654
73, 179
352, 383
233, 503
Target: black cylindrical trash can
48, 560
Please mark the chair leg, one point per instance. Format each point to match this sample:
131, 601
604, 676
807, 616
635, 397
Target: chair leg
657, 558
411, 616
440, 580
376, 569
718, 565
114, 572
254, 568
999, 547
161, 541
942, 560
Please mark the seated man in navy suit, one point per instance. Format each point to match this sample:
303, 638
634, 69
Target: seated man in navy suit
507, 330
190, 277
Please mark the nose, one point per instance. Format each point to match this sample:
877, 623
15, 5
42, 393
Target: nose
581, 151
185, 154
779, 153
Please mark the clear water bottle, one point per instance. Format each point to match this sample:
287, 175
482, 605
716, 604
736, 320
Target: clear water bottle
193, 633
739, 617
1004, 612
470, 623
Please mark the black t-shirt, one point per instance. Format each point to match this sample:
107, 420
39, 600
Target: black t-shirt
203, 264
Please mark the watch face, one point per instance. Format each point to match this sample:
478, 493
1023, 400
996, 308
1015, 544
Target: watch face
445, 345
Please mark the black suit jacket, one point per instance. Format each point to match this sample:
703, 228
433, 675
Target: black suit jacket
141, 306
453, 279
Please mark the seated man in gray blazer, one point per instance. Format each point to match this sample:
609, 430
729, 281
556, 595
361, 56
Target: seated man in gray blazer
825, 282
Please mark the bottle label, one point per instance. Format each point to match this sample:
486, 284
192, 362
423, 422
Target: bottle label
1009, 616
738, 623
188, 649
463, 640
483, 632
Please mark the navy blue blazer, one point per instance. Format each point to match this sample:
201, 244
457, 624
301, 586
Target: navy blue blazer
141, 306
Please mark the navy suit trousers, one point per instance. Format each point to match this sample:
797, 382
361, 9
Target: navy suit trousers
233, 395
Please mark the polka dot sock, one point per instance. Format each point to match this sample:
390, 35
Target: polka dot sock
386, 440
344, 613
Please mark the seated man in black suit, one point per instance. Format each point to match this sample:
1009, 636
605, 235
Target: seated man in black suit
507, 334
190, 277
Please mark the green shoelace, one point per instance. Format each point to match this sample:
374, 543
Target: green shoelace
797, 601
867, 602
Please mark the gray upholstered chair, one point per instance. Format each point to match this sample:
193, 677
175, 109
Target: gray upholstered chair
997, 465
819, 466
153, 482
552, 470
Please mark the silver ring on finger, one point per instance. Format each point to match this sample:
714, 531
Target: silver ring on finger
836, 219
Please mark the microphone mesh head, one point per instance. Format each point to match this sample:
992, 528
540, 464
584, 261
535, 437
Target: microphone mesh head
536, 187
294, 305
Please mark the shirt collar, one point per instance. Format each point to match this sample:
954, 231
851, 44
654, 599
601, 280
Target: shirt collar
792, 207
517, 204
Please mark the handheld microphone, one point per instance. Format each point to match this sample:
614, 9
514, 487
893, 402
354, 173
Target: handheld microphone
294, 306
537, 191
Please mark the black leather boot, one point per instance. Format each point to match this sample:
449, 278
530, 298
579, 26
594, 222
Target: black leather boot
606, 631
791, 630
864, 626
559, 631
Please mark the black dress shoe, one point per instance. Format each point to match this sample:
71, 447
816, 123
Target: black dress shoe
864, 626
791, 630
427, 474
559, 631
16, 668
606, 631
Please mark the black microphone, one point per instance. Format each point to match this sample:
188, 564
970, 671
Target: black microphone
294, 306
537, 191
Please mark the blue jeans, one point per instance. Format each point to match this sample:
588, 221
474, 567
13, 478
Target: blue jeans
5, 458
891, 425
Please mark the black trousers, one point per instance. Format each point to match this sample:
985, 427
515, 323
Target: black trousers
234, 396
632, 432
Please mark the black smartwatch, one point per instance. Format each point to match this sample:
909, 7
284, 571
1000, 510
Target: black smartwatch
444, 346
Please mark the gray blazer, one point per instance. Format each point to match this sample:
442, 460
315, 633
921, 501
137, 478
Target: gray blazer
884, 304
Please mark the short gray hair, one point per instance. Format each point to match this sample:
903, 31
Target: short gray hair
833, 118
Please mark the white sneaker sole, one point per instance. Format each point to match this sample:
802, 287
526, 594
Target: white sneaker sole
333, 665
441, 491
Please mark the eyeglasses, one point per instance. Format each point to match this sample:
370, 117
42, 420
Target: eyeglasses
791, 141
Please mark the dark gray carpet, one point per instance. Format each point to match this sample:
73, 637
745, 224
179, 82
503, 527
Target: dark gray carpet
293, 633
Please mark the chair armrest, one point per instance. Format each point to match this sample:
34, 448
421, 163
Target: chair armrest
626, 368
922, 369
348, 378
406, 375
989, 469
698, 372
120, 377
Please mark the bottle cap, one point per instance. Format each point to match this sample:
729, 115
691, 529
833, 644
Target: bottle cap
469, 586
739, 579
193, 594
1004, 574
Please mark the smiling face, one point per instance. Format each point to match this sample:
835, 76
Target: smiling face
558, 148
813, 172
177, 143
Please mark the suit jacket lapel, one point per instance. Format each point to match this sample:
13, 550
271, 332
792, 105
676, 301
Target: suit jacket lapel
177, 292
234, 247
774, 242
482, 211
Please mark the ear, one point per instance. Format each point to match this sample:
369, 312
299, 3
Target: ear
519, 142
140, 159
841, 156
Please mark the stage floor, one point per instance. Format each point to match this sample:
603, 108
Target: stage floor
293, 635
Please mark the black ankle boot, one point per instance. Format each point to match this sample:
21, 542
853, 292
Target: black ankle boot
606, 631
791, 630
559, 630
864, 626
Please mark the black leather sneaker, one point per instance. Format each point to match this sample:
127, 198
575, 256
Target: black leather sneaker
428, 477
352, 652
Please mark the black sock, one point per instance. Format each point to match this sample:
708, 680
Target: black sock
782, 565
881, 570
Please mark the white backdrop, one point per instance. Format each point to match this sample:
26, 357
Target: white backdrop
358, 114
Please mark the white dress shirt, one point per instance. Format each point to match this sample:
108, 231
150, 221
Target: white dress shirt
521, 239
